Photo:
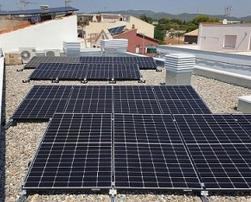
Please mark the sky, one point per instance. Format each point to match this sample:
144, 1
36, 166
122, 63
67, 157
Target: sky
239, 7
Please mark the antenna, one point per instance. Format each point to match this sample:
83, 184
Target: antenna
67, 2
228, 11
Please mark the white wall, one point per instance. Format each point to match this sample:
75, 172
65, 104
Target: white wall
141, 26
46, 35
1, 86
211, 37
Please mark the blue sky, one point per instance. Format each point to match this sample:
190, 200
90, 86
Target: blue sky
239, 7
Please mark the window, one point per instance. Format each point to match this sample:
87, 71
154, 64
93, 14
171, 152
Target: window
230, 41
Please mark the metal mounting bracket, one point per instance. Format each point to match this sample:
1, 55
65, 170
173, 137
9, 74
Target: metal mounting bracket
204, 196
113, 193
26, 81
23, 196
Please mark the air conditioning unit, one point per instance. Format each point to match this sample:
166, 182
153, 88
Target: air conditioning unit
27, 54
52, 53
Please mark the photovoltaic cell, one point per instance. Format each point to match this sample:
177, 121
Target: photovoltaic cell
137, 106
147, 129
211, 129
75, 154
186, 106
89, 106
176, 92
223, 166
39, 109
133, 92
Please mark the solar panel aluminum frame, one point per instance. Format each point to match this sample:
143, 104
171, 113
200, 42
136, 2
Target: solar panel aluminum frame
61, 189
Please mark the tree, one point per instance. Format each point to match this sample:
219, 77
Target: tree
146, 19
203, 18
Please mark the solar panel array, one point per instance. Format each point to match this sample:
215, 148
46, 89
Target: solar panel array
116, 30
61, 71
142, 62
135, 137
150, 152
43, 101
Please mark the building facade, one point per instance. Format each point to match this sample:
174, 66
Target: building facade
138, 43
225, 37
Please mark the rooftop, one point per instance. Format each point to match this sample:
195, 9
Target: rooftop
39, 11
23, 139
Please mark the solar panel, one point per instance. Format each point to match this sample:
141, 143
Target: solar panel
133, 92
137, 106
150, 155
43, 101
61, 71
219, 146
223, 166
75, 154
211, 129
176, 92
116, 30
89, 106
183, 107
37, 60
142, 62
39, 109
145, 129
244, 121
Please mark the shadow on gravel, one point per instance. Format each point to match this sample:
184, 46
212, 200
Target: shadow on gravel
2, 142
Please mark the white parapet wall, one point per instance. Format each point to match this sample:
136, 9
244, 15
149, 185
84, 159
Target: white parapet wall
47, 35
1, 86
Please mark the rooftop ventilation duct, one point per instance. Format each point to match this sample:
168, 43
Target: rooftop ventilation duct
44, 7
114, 45
72, 49
179, 69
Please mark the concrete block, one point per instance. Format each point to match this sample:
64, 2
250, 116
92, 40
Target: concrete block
244, 104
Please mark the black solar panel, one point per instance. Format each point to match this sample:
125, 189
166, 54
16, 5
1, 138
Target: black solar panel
116, 30
43, 101
75, 154
133, 92
146, 129
244, 121
137, 106
89, 106
223, 166
183, 107
176, 92
61, 71
142, 62
220, 147
149, 154
36, 61
211, 129
39, 109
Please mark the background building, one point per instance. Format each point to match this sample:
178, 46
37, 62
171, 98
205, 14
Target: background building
225, 37
191, 37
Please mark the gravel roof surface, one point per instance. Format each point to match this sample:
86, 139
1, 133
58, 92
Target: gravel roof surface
23, 139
